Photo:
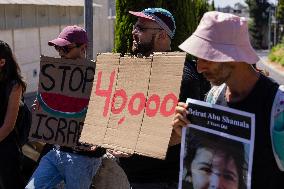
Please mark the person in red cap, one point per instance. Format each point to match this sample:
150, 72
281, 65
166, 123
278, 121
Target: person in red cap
226, 57
71, 42
153, 32
75, 167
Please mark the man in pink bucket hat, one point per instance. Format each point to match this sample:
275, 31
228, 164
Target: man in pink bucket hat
225, 57
153, 31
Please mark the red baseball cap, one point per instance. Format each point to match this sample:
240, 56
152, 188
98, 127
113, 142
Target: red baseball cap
69, 35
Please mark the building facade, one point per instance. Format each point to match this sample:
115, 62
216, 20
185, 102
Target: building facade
28, 25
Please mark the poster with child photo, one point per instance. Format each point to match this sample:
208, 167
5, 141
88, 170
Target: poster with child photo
217, 147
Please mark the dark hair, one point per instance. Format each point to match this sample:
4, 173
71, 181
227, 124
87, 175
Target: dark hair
10, 71
233, 149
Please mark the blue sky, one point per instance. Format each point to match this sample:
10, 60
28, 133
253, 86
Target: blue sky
223, 3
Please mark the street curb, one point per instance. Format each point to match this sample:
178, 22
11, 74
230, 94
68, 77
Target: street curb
281, 73
274, 71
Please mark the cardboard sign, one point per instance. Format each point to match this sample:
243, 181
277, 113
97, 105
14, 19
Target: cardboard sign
133, 102
217, 144
63, 95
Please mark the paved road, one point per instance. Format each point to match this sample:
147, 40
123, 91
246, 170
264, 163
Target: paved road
274, 73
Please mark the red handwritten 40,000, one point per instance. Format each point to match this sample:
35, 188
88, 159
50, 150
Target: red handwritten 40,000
143, 101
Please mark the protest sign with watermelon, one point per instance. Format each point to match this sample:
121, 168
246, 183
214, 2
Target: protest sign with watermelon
63, 94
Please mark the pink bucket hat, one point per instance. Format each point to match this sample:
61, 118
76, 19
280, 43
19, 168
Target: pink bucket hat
221, 37
70, 34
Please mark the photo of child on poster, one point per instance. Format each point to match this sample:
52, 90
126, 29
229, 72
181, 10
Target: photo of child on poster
211, 164
212, 158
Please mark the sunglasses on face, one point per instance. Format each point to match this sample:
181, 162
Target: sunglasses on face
66, 49
139, 28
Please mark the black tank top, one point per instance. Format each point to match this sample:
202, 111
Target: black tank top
265, 172
8, 145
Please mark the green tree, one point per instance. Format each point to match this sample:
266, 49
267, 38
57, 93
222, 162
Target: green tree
259, 12
280, 19
280, 11
212, 6
187, 14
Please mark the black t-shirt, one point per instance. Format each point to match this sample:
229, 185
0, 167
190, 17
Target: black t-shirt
193, 84
265, 172
145, 169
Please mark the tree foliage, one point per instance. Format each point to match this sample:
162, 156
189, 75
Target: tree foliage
187, 14
212, 6
259, 12
280, 11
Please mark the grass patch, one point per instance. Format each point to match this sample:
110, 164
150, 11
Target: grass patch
277, 54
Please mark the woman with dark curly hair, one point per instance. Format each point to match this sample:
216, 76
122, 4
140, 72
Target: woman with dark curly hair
214, 162
12, 87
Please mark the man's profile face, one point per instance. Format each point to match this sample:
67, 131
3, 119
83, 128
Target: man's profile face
216, 73
213, 169
144, 34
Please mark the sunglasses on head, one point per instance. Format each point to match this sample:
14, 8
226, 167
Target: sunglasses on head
66, 49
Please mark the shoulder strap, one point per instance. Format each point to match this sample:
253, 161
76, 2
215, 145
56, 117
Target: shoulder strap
8, 91
215, 95
9, 88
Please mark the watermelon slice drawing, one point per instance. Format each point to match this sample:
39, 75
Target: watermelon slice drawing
63, 106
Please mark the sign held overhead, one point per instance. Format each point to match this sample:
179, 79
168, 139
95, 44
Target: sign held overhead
133, 102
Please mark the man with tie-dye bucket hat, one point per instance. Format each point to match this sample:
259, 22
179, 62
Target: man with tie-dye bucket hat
225, 57
153, 32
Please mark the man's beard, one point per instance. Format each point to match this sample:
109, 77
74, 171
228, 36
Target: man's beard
143, 48
222, 74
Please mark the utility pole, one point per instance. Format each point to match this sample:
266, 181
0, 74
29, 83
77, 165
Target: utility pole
88, 20
269, 28
274, 23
